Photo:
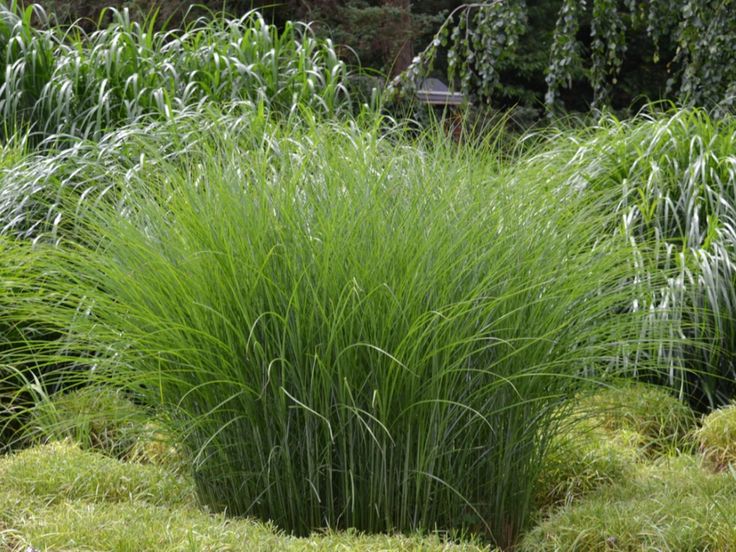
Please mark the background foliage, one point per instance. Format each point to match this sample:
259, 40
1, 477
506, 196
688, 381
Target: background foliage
62, 81
607, 53
542, 54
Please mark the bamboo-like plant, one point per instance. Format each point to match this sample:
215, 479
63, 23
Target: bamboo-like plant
60, 82
675, 180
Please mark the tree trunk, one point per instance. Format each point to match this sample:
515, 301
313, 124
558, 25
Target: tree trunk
401, 30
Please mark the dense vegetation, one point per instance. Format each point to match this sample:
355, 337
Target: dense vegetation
60, 83
617, 483
539, 56
686, 44
313, 314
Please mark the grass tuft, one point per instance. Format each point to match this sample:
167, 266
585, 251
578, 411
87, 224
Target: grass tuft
663, 421
103, 420
672, 504
583, 458
716, 437
62, 471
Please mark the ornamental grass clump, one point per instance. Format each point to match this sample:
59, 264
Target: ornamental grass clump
673, 178
61, 82
352, 330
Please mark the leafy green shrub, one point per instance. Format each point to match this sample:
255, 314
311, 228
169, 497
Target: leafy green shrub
716, 437
672, 504
598, 54
378, 336
63, 82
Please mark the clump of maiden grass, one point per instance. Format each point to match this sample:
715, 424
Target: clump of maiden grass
353, 331
61, 82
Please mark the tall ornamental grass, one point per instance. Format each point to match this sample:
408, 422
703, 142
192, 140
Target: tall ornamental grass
352, 331
57, 82
673, 178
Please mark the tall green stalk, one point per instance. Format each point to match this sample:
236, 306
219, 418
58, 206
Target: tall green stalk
673, 179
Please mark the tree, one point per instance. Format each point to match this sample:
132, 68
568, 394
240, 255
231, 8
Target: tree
599, 52
379, 34
700, 63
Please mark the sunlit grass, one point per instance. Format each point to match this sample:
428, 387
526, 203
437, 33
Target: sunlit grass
58, 497
716, 438
672, 504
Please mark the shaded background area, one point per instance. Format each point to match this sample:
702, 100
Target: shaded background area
384, 35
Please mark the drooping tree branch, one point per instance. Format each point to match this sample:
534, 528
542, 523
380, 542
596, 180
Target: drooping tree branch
480, 37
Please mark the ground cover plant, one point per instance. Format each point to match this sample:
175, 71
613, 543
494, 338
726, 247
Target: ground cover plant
607, 434
672, 504
654, 413
716, 438
625, 491
102, 419
60, 497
